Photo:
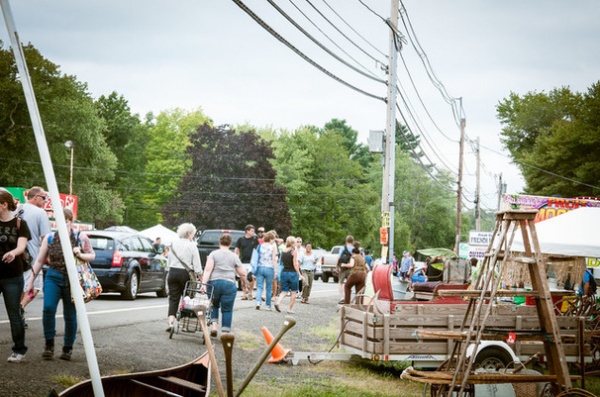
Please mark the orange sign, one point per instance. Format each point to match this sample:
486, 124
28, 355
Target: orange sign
383, 235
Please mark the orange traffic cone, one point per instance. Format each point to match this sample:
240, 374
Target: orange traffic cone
278, 353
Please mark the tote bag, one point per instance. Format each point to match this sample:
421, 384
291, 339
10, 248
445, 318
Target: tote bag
90, 286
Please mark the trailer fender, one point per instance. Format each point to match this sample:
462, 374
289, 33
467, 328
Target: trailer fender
493, 353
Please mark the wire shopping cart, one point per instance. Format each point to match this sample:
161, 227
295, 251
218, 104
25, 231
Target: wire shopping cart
194, 294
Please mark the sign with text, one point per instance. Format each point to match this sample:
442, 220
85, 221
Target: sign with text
383, 236
480, 238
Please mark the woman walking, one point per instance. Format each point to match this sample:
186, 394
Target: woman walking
221, 267
308, 265
14, 234
183, 257
266, 271
290, 274
358, 273
56, 286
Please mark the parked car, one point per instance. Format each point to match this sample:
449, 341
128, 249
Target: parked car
208, 241
126, 263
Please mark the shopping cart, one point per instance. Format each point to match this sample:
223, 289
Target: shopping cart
194, 294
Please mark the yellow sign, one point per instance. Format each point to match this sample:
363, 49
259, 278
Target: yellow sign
385, 219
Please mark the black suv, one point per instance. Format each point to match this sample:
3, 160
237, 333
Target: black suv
208, 241
126, 263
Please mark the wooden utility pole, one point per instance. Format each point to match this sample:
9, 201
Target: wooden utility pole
478, 189
389, 168
459, 185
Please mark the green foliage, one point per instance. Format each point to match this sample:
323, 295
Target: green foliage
553, 138
127, 137
231, 183
167, 158
68, 113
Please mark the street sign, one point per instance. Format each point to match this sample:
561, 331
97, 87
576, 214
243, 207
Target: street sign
383, 235
385, 219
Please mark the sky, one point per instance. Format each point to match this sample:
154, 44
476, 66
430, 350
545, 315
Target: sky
212, 55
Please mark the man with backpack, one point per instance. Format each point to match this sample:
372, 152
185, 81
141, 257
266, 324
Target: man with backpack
345, 255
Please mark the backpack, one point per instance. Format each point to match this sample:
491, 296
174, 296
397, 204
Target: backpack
25, 255
344, 257
592, 281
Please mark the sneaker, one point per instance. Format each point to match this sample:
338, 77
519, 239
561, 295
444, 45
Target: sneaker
277, 308
48, 353
66, 354
257, 307
268, 308
16, 358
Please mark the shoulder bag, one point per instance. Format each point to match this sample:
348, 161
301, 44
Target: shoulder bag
190, 271
90, 286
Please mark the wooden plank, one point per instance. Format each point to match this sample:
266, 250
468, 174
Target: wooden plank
474, 293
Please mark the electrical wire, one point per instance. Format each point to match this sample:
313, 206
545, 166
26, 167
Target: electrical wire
377, 61
265, 26
354, 30
323, 47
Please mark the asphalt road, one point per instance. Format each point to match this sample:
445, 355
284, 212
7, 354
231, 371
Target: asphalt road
129, 336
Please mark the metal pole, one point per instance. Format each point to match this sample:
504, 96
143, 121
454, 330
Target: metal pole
71, 175
390, 141
42, 145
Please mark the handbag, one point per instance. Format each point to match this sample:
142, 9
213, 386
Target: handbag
255, 258
190, 271
90, 286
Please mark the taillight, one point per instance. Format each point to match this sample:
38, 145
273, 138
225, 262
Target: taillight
117, 259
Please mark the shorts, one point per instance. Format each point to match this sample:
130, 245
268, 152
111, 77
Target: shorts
343, 274
248, 269
38, 284
289, 281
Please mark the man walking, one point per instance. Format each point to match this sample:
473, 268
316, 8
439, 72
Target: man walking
343, 272
33, 213
243, 248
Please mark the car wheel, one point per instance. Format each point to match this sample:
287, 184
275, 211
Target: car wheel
164, 292
325, 278
335, 279
493, 358
131, 288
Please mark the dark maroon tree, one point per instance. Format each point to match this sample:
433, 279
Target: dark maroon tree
231, 184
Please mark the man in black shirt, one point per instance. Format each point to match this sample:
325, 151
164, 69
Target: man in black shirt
243, 248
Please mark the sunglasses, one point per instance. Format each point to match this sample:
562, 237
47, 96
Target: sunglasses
43, 197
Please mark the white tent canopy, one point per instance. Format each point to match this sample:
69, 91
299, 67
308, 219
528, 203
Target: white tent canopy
574, 233
167, 235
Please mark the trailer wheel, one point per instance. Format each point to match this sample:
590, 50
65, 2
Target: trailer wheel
493, 358
325, 278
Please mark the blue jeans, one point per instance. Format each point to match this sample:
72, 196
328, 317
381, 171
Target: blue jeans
56, 287
289, 281
224, 293
12, 289
264, 274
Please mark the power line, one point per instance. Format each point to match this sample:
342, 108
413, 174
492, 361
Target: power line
318, 43
265, 26
354, 30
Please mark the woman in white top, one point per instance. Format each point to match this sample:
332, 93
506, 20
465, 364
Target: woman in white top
183, 251
267, 269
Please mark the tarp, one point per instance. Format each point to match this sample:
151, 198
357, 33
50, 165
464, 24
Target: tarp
167, 236
574, 233
445, 252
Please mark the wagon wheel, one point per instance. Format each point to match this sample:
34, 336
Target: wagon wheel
594, 366
575, 392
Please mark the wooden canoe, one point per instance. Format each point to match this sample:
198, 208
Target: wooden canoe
188, 380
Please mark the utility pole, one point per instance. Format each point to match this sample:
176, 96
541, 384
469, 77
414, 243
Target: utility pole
389, 168
459, 185
478, 189
501, 190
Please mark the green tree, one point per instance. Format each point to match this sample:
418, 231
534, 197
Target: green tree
553, 138
127, 137
231, 183
167, 158
68, 113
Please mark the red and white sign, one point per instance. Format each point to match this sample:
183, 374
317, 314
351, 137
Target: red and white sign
67, 201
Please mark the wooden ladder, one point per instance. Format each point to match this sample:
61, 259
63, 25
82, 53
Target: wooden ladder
486, 289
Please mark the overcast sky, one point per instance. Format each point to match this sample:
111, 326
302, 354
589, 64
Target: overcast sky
210, 54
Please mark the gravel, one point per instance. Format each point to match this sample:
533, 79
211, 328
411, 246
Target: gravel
120, 349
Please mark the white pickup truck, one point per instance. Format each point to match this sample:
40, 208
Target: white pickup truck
329, 263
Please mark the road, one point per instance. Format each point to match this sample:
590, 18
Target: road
129, 336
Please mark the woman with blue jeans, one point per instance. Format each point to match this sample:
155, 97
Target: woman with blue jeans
220, 270
266, 271
56, 286
14, 234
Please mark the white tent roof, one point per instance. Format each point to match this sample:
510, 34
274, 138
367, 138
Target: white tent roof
167, 236
574, 233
